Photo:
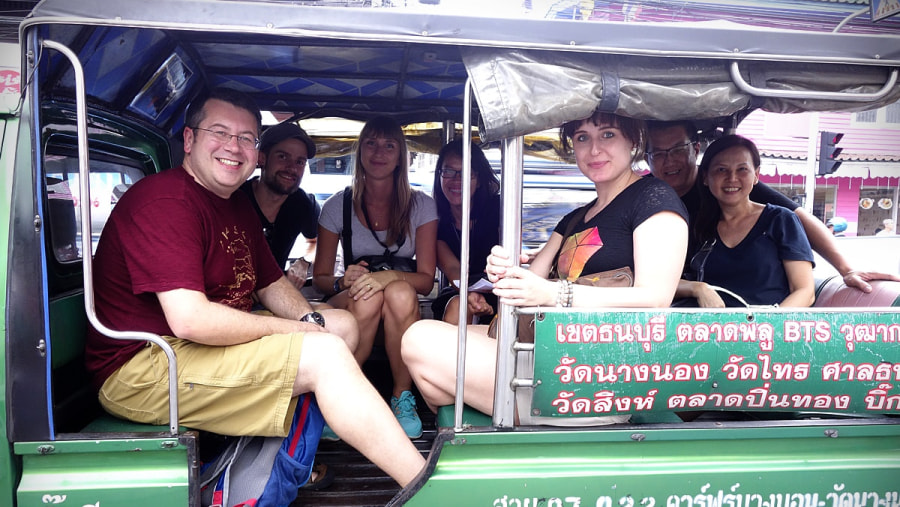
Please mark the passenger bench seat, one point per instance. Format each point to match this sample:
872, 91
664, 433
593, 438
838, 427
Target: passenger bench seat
834, 293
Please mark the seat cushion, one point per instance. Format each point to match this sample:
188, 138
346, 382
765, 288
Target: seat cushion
834, 293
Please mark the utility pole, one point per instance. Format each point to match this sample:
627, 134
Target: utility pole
811, 164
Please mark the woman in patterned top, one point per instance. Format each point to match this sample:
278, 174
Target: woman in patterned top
630, 222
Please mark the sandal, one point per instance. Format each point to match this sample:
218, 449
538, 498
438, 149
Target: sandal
321, 477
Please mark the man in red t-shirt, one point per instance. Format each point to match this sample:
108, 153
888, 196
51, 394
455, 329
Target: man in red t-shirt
183, 256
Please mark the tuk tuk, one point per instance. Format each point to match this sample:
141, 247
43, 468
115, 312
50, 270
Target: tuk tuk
800, 405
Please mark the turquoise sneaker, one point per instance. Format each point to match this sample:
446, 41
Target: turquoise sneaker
405, 410
329, 434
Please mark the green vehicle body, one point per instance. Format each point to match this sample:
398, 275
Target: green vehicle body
749, 408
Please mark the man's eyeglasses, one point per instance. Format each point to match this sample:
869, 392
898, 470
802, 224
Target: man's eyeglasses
675, 151
245, 142
449, 174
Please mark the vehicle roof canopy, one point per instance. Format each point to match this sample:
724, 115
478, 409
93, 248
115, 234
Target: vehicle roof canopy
528, 74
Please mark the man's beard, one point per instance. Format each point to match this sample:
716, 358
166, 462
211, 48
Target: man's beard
273, 185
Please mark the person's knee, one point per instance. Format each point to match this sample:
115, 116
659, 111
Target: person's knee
410, 344
343, 324
451, 311
401, 298
323, 354
367, 309
420, 340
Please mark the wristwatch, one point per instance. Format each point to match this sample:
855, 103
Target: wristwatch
314, 318
337, 284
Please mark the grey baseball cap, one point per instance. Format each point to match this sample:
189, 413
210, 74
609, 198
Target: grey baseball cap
286, 130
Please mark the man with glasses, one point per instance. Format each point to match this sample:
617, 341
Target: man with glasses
183, 256
672, 153
284, 209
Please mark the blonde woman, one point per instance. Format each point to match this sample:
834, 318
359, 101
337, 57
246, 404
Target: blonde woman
390, 225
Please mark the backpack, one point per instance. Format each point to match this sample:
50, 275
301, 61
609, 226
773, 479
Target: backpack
265, 471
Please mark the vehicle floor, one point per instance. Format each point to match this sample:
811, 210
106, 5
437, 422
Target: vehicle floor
358, 482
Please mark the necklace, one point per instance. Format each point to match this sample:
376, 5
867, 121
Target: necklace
373, 223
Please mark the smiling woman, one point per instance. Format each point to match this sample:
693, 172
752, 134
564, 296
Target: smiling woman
757, 251
380, 215
629, 222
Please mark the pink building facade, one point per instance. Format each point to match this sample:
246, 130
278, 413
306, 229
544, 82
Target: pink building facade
863, 190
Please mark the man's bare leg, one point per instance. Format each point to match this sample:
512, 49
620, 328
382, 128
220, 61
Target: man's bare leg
328, 369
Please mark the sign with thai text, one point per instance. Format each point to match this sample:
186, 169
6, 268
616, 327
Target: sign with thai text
605, 363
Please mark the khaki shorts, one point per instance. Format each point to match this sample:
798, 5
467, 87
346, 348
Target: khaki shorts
234, 390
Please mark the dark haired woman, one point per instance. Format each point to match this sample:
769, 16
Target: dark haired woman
757, 251
630, 223
484, 229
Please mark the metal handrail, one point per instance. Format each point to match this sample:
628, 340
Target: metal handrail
746, 87
86, 248
511, 181
458, 401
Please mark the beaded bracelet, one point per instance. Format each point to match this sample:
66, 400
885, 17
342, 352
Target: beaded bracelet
565, 294
561, 293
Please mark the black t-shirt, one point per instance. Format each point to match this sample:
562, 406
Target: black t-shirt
485, 233
298, 215
761, 193
777, 236
606, 241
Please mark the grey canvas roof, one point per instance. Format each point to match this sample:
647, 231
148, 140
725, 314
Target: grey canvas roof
528, 74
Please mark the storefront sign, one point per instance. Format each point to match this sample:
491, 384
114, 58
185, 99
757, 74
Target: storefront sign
590, 364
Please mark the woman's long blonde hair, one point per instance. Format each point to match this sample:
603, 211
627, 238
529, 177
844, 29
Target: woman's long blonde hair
401, 205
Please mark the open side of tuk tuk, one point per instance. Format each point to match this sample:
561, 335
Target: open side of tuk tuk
762, 407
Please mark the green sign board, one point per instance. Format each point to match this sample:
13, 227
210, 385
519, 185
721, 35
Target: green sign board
590, 364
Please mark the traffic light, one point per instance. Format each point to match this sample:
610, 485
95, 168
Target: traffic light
828, 152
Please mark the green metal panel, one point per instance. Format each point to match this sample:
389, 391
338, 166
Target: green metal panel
132, 472
809, 466
9, 126
596, 363
68, 325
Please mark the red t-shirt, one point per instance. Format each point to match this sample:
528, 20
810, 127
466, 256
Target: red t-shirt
169, 232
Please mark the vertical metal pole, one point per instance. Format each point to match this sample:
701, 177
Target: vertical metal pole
811, 165
464, 256
448, 131
84, 176
511, 239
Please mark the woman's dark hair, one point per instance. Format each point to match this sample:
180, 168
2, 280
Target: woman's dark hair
633, 129
488, 184
710, 212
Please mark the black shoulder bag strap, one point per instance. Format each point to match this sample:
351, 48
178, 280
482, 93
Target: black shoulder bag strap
346, 232
387, 250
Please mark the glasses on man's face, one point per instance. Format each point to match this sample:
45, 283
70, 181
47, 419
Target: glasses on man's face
245, 142
450, 174
676, 151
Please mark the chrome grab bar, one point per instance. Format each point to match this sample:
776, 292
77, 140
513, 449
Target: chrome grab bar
86, 248
746, 87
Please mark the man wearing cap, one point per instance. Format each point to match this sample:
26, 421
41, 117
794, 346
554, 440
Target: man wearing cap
284, 209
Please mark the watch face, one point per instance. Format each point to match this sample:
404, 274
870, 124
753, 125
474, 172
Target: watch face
315, 318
